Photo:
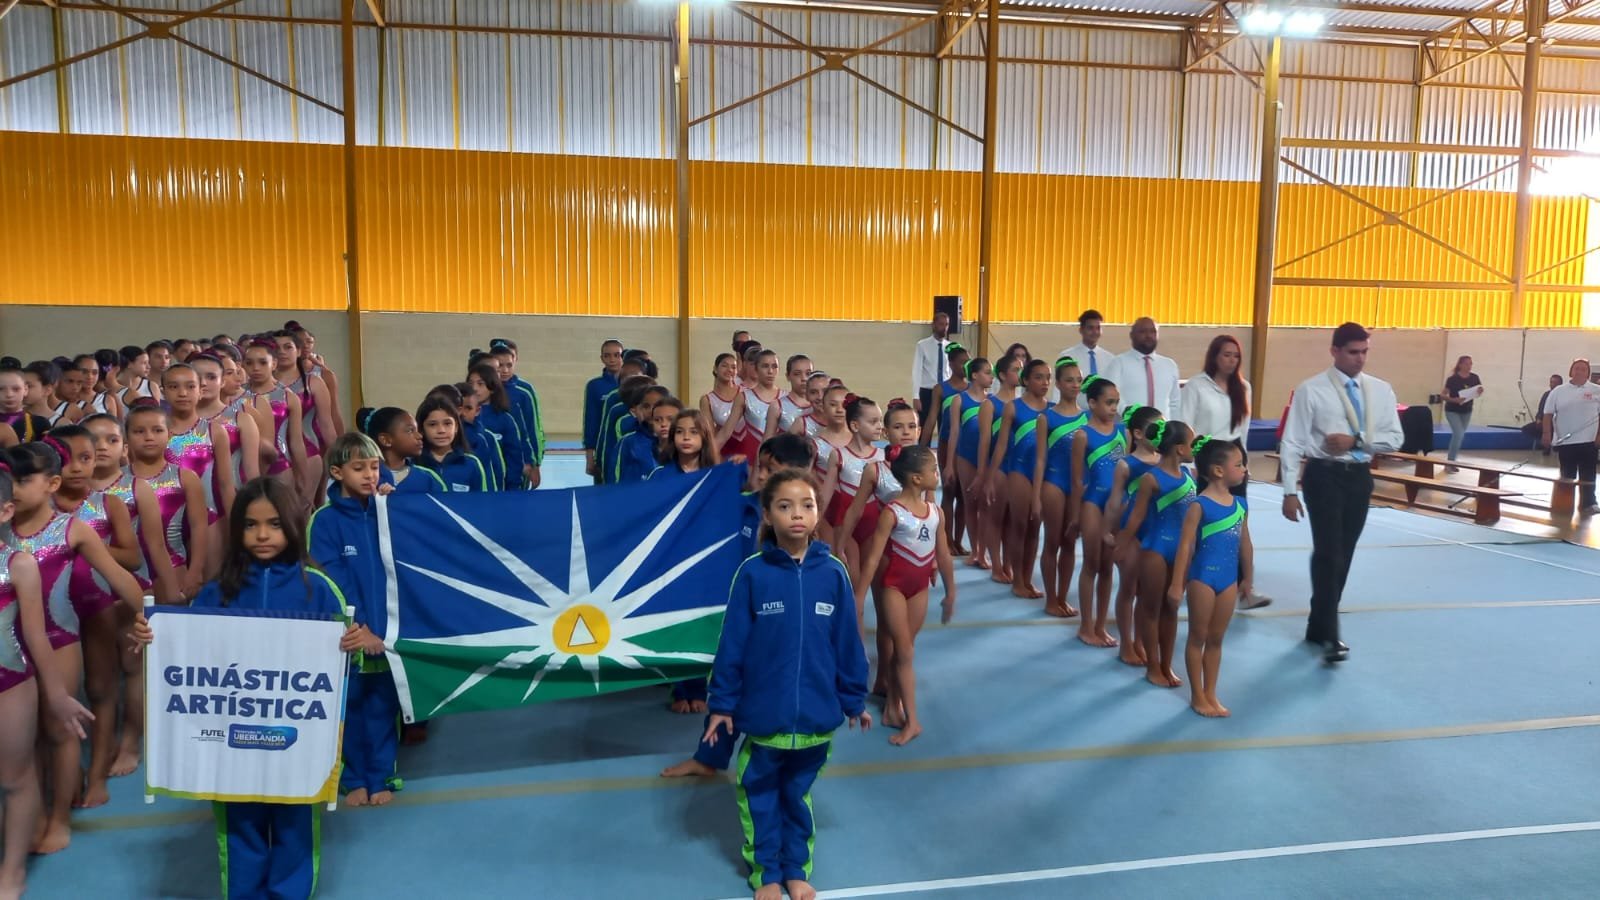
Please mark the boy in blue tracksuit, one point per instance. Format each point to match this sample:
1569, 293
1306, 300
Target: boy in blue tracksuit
594, 400
783, 451
636, 458
790, 669
524, 406
271, 849
343, 539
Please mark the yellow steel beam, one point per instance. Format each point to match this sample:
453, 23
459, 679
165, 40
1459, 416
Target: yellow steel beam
376, 8
352, 255
1266, 218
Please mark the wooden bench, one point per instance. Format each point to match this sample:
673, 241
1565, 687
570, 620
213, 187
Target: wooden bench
1486, 508
1563, 491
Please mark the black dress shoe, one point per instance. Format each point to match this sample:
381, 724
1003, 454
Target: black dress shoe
1334, 651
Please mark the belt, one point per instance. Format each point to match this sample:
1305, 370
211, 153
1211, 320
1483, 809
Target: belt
1346, 464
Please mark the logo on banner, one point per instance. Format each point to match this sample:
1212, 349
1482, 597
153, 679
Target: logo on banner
261, 737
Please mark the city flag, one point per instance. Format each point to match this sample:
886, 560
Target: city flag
497, 600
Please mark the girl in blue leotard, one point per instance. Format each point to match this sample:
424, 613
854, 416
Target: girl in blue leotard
991, 525
945, 395
1164, 496
1215, 541
961, 453
1052, 488
1096, 448
1016, 457
1141, 458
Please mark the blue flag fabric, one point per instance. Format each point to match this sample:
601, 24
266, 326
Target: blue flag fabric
497, 600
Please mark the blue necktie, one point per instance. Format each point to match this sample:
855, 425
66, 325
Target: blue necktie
1361, 417
1094, 364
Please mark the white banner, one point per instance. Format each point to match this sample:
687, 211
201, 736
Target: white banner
243, 706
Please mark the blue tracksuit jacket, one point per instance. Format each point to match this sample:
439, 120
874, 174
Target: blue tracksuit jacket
594, 407
459, 472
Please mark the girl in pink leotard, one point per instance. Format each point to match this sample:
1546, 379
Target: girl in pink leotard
54, 540
180, 501
268, 395
197, 443
24, 699
316, 411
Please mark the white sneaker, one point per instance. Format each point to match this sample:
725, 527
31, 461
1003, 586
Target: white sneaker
1254, 600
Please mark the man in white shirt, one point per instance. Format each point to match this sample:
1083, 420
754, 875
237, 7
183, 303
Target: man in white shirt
1337, 420
1092, 358
929, 366
1571, 413
1143, 376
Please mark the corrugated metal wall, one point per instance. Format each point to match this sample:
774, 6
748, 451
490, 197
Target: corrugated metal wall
830, 197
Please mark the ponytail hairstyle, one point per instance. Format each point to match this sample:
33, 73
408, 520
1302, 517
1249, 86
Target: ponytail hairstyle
855, 407
974, 364
1138, 419
1210, 452
107, 361
1095, 386
236, 560
301, 364
130, 354
34, 458
1166, 435
769, 493
491, 380
906, 461
374, 422
60, 437
432, 404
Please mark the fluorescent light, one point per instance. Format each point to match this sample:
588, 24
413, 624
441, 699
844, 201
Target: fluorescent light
1303, 23
1262, 21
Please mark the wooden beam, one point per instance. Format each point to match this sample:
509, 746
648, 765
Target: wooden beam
376, 8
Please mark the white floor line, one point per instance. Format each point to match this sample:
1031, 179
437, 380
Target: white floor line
1486, 548
1167, 862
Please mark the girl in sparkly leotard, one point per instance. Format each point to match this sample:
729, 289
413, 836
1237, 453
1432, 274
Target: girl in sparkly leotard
1165, 492
93, 599
55, 539
199, 445
222, 397
1096, 449
180, 500
316, 411
1140, 458
24, 699
268, 396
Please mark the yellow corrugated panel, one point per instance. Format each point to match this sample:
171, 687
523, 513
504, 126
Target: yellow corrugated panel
811, 242
118, 221
1179, 250
469, 231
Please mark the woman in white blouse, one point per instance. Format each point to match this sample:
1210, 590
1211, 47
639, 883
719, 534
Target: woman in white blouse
1217, 403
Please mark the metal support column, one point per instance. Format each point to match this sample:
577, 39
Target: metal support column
991, 79
1266, 219
1534, 30
681, 76
347, 60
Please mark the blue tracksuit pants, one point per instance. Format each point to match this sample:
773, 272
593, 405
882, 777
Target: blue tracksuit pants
774, 788
720, 754
268, 851
371, 733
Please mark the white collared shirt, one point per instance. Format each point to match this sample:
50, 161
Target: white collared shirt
1128, 371
929, 366
1102, 358
1317, 410
1205, 406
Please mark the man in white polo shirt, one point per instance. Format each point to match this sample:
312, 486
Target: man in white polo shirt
1143, 376
1571, 412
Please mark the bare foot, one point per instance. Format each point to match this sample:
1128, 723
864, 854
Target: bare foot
1105, 638
1087, 636
1026, 591
681, 707
1155, 677
54, 839
94, 795
1133, 655
770, 892
1061, 611
1201, 706
977, 562
381, 798
905, 736
1172, 678
357, 797
1001, 576
1221, 711
127, 761
895, 718
881, 689
958, 550
697, 707
800, 890
687, 767
13, 884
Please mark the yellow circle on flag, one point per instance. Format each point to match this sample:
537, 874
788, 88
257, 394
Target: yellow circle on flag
582, 629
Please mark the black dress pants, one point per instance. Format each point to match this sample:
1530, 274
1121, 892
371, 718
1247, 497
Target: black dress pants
1336, 499
1577, 461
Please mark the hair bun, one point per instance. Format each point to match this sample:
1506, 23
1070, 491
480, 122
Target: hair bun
893, 453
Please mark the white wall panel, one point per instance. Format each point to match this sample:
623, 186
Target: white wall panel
421, 60
481, 90
27, 43
265, 112
317, 72
735, 73
586, 82
536, 115
94, 86
783, 113
1221, 128
643, 123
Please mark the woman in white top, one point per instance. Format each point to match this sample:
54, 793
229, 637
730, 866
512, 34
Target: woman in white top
1217, 403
